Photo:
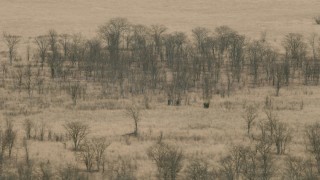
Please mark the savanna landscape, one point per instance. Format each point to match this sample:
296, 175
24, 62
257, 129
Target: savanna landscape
186, 90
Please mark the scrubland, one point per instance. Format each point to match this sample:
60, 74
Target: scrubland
179, 90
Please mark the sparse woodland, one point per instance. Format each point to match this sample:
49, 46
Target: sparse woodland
231, 96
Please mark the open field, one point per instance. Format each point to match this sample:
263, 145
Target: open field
147, 92
201, 133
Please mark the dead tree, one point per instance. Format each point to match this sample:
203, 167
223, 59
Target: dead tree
157, 33
250, 114
42, 43
54, 59
134, 112
11, 41
313, 135
77, 131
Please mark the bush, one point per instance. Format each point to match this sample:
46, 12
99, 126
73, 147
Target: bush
313, 135
122, 168
241, 161
298, 168
167, 158
198, 170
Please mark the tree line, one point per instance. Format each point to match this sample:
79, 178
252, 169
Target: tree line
128, 58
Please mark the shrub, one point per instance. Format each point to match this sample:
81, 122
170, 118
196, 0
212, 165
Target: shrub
313, 135
122, 168
298, 168
167, 158
236, 162
198, 170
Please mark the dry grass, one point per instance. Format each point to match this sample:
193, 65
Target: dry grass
203, 133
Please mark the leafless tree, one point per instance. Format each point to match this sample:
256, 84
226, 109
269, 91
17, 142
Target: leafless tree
100, 145
28, 79
263, 148
282, 137
168, 160
87, 154
298, 168
134, 112
11, 42
313, 135
77, 131
10, 136
113, 33
74, 91
157, 33
250, 114
28, 127
295, 49
198, 170
42, 43
279, 70
64, 41
54, 59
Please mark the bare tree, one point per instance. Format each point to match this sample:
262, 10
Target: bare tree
100, 145
282, 137
198, 170
157, 33
10, 136
87, 154
54, 58
11, 42
113, 33
65, 44
295, 49
77, 131
168, 160
313, 135
75, 92
28, 127
263, 148
28, 79
250, 114
134, 112
279, 77
298, 168
42, 43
